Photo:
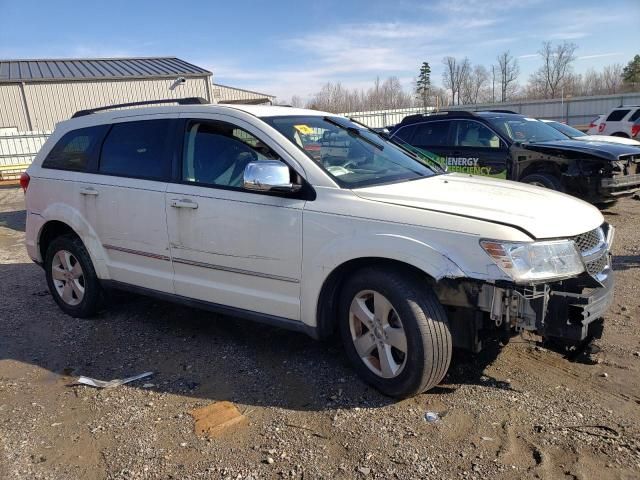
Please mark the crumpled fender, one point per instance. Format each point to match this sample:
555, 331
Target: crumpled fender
72, 217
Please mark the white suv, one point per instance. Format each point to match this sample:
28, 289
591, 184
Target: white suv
310, 221
619, 122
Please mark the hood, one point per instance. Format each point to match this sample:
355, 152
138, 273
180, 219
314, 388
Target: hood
542, 213
604, 150
609, 139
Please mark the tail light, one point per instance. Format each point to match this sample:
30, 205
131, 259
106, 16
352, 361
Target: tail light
601, 127
635, 129
24, 181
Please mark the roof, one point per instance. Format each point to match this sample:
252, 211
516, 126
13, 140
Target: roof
426, 117
78, 69
261, 111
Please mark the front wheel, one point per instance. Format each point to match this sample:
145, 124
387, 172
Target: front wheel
395, 331
545, 180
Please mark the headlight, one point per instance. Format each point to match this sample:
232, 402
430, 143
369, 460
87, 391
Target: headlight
525, 262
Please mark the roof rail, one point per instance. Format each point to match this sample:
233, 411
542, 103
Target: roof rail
417, 116
179, 101
499, 111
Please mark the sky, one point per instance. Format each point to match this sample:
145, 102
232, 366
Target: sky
287, 48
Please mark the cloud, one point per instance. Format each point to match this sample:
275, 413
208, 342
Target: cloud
529, 55
599, 55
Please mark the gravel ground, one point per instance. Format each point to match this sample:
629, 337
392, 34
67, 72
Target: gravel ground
523, 412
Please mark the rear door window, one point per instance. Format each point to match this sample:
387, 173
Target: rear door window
635, 116
74, 149
138, 149
617, 115
431, 134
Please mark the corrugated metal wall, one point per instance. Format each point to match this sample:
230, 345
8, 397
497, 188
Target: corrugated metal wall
12, 111
51, 102
223, 93
577, 111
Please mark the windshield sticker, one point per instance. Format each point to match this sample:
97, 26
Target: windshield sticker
304, 129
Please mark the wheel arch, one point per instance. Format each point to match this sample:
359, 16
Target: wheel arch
542, 167
60, 219
328, 298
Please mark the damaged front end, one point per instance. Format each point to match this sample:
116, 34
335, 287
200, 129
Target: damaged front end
570, 310
601, 180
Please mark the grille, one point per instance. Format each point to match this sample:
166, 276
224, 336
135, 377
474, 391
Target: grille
590, 240
596, 266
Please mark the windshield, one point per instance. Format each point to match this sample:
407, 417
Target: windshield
526, 130
567, 130
353, 156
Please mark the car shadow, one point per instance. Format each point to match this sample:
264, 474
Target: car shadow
15, 220
191, 352
626, 262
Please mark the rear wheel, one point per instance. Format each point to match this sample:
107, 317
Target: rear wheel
620, 134
395, 331
71, 278
545, 180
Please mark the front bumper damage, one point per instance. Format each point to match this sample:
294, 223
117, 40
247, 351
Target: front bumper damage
569, 310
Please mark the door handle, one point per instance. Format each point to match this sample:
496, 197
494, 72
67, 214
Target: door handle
89, 191
183, 203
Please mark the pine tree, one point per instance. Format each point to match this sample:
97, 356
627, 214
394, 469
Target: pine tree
631, 73
423, 84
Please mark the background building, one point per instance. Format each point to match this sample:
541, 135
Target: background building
36, 94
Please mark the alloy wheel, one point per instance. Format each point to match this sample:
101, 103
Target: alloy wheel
68, 277
378, 334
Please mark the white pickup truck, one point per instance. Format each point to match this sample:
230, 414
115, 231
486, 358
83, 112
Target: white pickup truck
312, 222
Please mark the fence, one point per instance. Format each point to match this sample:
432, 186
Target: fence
578, 111
17, 151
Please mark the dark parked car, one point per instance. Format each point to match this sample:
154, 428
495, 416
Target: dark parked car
511, 146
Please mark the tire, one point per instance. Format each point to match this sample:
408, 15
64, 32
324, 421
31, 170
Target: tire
545, 180
415, 312
76, 291
620, 134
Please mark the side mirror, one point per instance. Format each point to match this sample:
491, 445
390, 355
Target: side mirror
268, 176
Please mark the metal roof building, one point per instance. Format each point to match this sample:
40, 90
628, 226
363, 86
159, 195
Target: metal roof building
36, 94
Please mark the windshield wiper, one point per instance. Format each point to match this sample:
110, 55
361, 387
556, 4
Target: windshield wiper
402, 145
353, 131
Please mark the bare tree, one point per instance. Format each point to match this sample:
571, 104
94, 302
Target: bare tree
449, 79
455, 75
296, 102
473, 84
509, 70
612, 78
556, 66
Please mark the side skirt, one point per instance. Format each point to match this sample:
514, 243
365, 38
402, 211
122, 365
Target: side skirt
272, 320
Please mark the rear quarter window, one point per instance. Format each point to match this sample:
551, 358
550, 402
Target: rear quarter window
74, 149
635, 116
617, 115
